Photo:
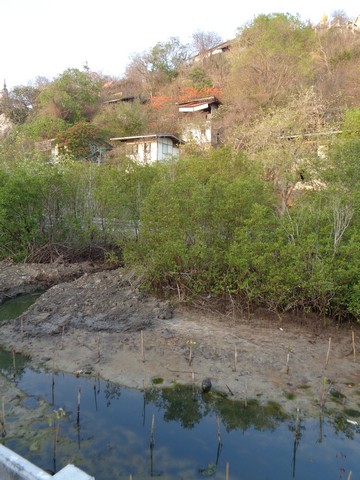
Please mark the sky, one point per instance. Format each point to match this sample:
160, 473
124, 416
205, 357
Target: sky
42, 38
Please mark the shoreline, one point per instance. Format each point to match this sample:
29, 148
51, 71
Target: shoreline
103, 324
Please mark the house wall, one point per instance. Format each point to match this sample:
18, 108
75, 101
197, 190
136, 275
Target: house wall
198, 134
166, 149
148, 152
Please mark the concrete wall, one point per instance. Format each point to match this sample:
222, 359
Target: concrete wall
15, 467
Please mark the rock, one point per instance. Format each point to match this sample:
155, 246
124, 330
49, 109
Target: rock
206, 385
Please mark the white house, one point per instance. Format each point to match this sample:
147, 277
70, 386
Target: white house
223, 47
148, 149
198, 121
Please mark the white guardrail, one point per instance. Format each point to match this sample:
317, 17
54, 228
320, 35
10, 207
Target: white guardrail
15, 467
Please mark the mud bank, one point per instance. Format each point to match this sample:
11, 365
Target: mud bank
101, 323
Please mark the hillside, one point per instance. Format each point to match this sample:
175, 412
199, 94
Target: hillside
255, 198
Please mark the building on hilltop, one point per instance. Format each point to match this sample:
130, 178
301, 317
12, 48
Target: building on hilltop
223, 47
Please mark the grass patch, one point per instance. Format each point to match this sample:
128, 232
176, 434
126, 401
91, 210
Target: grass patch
290, 395
157, 381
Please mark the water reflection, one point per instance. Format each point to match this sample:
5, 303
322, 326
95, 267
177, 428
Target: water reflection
12, 364
177, 433
173, 433
14, 307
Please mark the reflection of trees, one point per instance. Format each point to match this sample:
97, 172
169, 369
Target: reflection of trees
7, 364
188, 407
341, 425
235, 415
296, 426
180, 404
111, 392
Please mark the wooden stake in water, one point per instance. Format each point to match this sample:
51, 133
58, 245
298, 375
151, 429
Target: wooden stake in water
56, 439
3, 429
152, 443
328, 353
227, 472
218, 431
95, 396
145, 381
53, 380
78, 406
53, 370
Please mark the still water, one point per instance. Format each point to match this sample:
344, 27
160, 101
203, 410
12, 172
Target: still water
13, 308
178, 433
195, 435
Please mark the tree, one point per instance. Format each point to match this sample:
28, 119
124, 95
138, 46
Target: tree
337, 66
285, 141
43, 128
203, 41
72, 96
200, 78
123, 119
78, 140
158, 66
271, 59
184, 242
20, 103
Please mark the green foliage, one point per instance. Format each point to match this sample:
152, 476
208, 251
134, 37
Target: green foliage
119, 192
343, 56
167, 57
205, 225
297, 261
20, 212
183, 241
20, 103
72, 96
43, 127
274, 59
122, 119
200, 78
47, 210
275, 32
218, 233
351, 123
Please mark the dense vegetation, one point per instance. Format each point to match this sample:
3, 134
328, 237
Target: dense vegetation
272, 218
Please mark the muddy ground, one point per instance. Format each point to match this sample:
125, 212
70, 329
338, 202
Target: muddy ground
99, 322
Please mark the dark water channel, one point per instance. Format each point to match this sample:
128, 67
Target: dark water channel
195, 435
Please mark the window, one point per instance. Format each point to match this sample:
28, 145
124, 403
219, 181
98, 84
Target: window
132, 149
166, 147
